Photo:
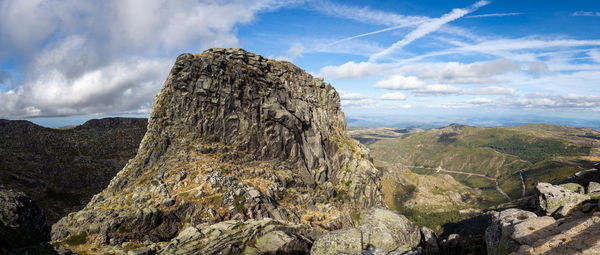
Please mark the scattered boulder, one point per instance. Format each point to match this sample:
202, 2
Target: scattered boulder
429, 241
556, 200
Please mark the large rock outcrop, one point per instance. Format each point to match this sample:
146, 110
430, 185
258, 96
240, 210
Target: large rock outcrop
61, 169
233, 136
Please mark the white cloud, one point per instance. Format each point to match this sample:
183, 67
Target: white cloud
595, 55
538, 68
438, 89
491, 90
495, 15
480, 100
428, 27
367, 15
395, 96
586, 13
399, 82
295, 50
351, 70
351, 96
362, 103
85, 57
454, 72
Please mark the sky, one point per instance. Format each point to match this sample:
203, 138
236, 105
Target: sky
393, 62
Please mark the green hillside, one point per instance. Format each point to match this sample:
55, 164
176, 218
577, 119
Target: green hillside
489, 160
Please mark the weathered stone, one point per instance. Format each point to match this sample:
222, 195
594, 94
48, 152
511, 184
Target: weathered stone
593, 187
556, 200
22, 222
387, 230
429, 241
344, 241
573, 187
498, 235
533, 229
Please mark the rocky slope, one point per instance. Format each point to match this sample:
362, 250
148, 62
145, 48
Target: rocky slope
62, 169
233, 139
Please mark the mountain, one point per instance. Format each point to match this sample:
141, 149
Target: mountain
492, 164
236, 144
61, 169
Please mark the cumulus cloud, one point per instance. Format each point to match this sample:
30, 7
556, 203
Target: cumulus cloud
399, 82
351, 96
480, 100
83, 57
454, 72
491, 90
352, 70
395, 96
362, 103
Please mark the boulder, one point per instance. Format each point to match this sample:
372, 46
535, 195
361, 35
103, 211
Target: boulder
22, 222
343, 241
387, 230
556, 200
573, 187
593, 187
429, 241
498, 236
249, 237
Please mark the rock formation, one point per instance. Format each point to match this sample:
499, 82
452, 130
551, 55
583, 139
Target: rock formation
233, 136
23, 225
61, 169
573, 230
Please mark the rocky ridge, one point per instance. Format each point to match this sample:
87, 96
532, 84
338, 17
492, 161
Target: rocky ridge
237, 140
61, 169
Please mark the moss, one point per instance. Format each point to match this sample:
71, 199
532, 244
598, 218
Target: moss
76, 239
133, 246
124, 229
238, 203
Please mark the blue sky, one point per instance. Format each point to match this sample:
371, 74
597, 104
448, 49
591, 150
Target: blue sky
475, 62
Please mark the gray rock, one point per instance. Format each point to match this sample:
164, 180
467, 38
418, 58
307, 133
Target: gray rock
593, 187
387, 230
429, 241
498, 235
556, 200
344, 241
22, 222
573, 187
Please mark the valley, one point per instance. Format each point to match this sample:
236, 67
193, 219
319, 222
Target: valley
496, 164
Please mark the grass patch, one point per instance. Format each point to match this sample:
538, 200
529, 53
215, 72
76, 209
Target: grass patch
76, 239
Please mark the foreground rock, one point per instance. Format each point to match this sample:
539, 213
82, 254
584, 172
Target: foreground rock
232, 136
378, 230
61, 169
574, 231
557, 200
23, 226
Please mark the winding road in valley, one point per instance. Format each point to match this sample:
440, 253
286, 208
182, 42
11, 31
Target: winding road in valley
440, 169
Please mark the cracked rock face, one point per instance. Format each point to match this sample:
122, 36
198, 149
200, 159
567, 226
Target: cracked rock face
234, 136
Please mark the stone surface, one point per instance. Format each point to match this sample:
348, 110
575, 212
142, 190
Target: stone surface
344, 241
249, 237
498, 235
593, 187
22, 222
573, 187
233, 135
429, 241
387, 230
556, 200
